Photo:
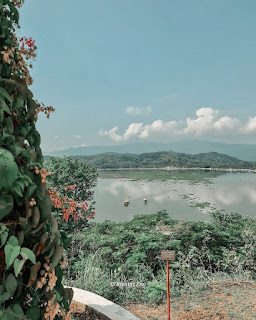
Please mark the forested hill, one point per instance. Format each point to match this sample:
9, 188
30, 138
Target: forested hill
164, 159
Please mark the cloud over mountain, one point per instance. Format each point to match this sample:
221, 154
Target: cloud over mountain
207, 124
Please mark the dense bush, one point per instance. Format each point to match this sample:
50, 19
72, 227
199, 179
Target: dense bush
127, 252
74, 182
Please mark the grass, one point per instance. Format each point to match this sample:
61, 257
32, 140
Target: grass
193, 176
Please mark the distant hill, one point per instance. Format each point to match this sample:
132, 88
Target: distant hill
245, 152
164, 159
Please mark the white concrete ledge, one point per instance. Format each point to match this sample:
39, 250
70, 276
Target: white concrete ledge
105, 308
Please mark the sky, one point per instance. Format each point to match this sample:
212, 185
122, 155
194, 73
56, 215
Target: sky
120, 71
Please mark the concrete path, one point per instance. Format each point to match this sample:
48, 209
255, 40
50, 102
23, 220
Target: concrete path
104, 307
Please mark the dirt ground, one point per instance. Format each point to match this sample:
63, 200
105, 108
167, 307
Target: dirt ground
226, 300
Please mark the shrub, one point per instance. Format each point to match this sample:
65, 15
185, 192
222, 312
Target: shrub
73, 181
128, 252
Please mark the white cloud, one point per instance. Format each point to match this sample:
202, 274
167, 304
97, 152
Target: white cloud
251, 125
204, 121
112, 133
227, 122
138, 111
76, 136
131, 132
207, 124
159, 127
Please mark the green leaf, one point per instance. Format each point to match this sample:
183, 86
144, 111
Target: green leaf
10, 254
9, 313
20, 182
67, 297
28, 254
5, 94
13, 241
11, 284
17, 189
21, 237
25, 154
19, 200
3, 227
4, 107
4, 237
18, 264
6, 205
8, 169
41, 190
14, 12
2, 289
31, 190
45, 207
16, 149
18, 311
4, 316
33, 313
5, 296
37, 137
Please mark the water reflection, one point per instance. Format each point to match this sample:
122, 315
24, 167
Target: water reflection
231, 192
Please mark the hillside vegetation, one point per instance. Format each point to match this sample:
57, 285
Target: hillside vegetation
242, 151
164, 159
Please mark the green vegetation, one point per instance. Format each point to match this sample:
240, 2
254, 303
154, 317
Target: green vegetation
73, 181
193, 176
66, 172
202, 205
31, 254
120, 260
164, 159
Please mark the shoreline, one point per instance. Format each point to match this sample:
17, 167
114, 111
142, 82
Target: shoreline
180, 169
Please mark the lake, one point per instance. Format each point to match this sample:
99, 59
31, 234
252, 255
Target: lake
230, 192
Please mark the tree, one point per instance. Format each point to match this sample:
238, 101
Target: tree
31, 252
73, 181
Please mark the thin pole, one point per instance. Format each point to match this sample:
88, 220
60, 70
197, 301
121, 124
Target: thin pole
168, 289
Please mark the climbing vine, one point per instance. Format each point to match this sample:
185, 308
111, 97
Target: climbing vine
31, 247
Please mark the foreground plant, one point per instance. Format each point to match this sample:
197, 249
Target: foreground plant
119, 260
31, 248
70, 187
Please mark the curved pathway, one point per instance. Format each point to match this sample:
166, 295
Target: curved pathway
104, 307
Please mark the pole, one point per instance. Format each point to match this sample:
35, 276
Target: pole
168, 289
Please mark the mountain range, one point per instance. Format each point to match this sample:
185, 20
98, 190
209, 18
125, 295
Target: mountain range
246, 152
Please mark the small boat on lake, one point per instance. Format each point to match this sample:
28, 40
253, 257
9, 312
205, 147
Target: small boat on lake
126, 203
145, 200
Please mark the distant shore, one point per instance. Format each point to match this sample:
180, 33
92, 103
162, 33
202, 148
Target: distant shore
180, 169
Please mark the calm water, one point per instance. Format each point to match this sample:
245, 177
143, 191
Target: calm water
232, 192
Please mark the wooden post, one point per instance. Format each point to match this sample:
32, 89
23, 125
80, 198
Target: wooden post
168, 289
166, 255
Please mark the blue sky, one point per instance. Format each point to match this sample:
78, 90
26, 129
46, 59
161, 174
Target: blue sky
119, 71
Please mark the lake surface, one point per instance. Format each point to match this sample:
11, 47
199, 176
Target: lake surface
232, 192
